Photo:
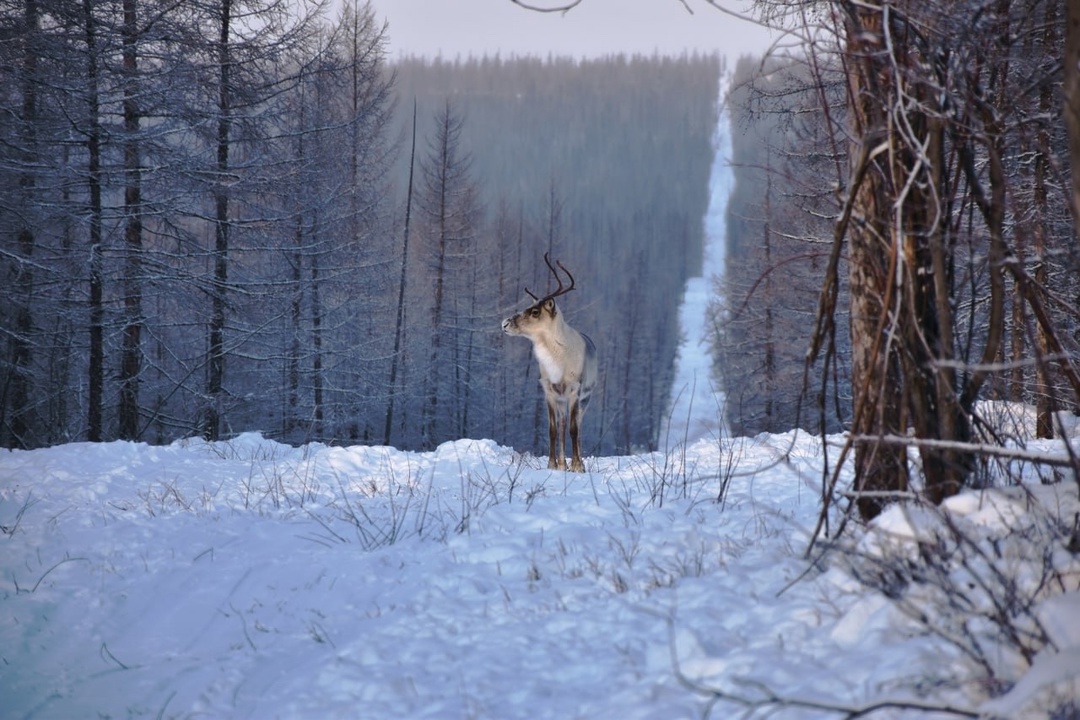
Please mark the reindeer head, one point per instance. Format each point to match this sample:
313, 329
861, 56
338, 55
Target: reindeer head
543, 313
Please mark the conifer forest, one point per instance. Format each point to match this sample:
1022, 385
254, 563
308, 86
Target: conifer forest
231, 215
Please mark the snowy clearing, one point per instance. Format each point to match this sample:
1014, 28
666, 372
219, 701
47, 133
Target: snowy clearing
252, 579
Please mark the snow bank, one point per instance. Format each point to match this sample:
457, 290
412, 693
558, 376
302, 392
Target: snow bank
253, 579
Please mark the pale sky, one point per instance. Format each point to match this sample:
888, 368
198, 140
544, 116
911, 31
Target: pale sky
460, 28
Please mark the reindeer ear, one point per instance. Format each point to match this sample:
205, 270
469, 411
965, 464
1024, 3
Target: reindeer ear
549, 305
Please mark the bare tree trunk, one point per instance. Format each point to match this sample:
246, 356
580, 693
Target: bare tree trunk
435, 376
16, 393
928, 331
318, 427
770, 349
216, 350
1018, 348
131, 351
1071, 91
399, 326
875, 363
296, 310
1044, 405
96, 370
467, 367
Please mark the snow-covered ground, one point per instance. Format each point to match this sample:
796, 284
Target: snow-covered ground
252, 579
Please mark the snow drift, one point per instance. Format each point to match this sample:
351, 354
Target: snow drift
252, 579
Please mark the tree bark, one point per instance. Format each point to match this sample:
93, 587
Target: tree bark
1071, 91
878, 400
131, 348
216, 351
1044, 401
15, 395
96, 366
399, 325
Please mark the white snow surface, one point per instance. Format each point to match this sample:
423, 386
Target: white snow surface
251, 579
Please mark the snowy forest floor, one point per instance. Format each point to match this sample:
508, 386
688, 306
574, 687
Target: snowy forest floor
252, 579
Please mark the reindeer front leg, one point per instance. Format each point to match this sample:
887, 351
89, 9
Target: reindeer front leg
553, 427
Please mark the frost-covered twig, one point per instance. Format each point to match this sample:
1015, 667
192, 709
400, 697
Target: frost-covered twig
9, 530
975, 448
46, 574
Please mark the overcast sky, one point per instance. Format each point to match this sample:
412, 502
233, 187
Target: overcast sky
460, 28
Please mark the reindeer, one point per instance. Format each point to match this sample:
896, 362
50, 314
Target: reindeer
568, 365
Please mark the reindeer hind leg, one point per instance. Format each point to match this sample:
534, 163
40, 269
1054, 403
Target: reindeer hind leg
576, 463
561, 414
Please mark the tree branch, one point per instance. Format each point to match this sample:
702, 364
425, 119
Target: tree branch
975, 448
565, 8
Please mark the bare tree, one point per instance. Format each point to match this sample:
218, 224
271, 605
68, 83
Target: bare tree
1071, 66
216, 345
16, 387
131, 354
96, 364
449, 203
399, 323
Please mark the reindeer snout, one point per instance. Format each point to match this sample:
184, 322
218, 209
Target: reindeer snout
507, 324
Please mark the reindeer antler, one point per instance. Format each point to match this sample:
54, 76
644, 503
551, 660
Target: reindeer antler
559, 290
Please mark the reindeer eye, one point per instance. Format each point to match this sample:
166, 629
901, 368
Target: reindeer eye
535, 312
